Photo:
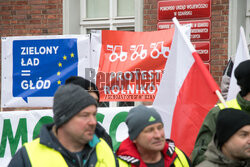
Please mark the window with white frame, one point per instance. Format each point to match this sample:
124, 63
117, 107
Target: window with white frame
111, 14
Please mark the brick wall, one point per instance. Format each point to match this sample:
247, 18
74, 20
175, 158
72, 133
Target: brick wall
33, 17
219, 37
219, 32
30, 17
150, 15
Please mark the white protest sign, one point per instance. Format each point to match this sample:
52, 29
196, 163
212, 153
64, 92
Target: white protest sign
34, 66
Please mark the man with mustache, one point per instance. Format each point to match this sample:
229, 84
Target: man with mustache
231, 143
146, 145
71, 139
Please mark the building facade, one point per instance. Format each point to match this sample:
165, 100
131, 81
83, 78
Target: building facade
56, 17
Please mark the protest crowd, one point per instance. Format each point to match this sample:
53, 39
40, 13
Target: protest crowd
179, 117
76, 139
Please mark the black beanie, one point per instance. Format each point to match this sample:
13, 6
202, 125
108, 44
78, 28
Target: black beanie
140, 117
229, 121
84, 83
242, 74
69, 100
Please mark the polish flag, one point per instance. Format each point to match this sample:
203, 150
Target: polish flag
186, 92
242, 54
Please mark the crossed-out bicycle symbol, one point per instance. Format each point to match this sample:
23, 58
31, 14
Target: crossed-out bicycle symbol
139, 51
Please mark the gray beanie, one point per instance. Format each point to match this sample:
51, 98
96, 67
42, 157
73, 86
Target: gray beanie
68, 101
140, 117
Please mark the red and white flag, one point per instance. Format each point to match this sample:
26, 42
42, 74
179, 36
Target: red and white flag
186, 92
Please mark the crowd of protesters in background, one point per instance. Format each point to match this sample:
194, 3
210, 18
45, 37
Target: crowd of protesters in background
76, 139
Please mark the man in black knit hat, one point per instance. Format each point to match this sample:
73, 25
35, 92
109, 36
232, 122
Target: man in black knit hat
85, 84
241, 102
93, 91
231, 143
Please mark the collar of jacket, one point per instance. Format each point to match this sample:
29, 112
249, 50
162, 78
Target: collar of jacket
48, 138
128, 152
244, 104
94, 141
215, 156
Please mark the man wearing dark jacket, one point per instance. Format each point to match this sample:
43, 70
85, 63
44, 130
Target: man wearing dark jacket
146, 145
231, 144
93, 91
241, 102
71, 139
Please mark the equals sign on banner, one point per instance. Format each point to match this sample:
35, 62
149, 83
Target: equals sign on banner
25, 72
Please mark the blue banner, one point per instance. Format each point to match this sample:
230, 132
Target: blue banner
40, 66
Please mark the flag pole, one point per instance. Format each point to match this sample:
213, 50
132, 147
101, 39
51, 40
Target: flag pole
222, 100
197, 58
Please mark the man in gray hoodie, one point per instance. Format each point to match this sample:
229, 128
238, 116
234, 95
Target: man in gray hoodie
231, 143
